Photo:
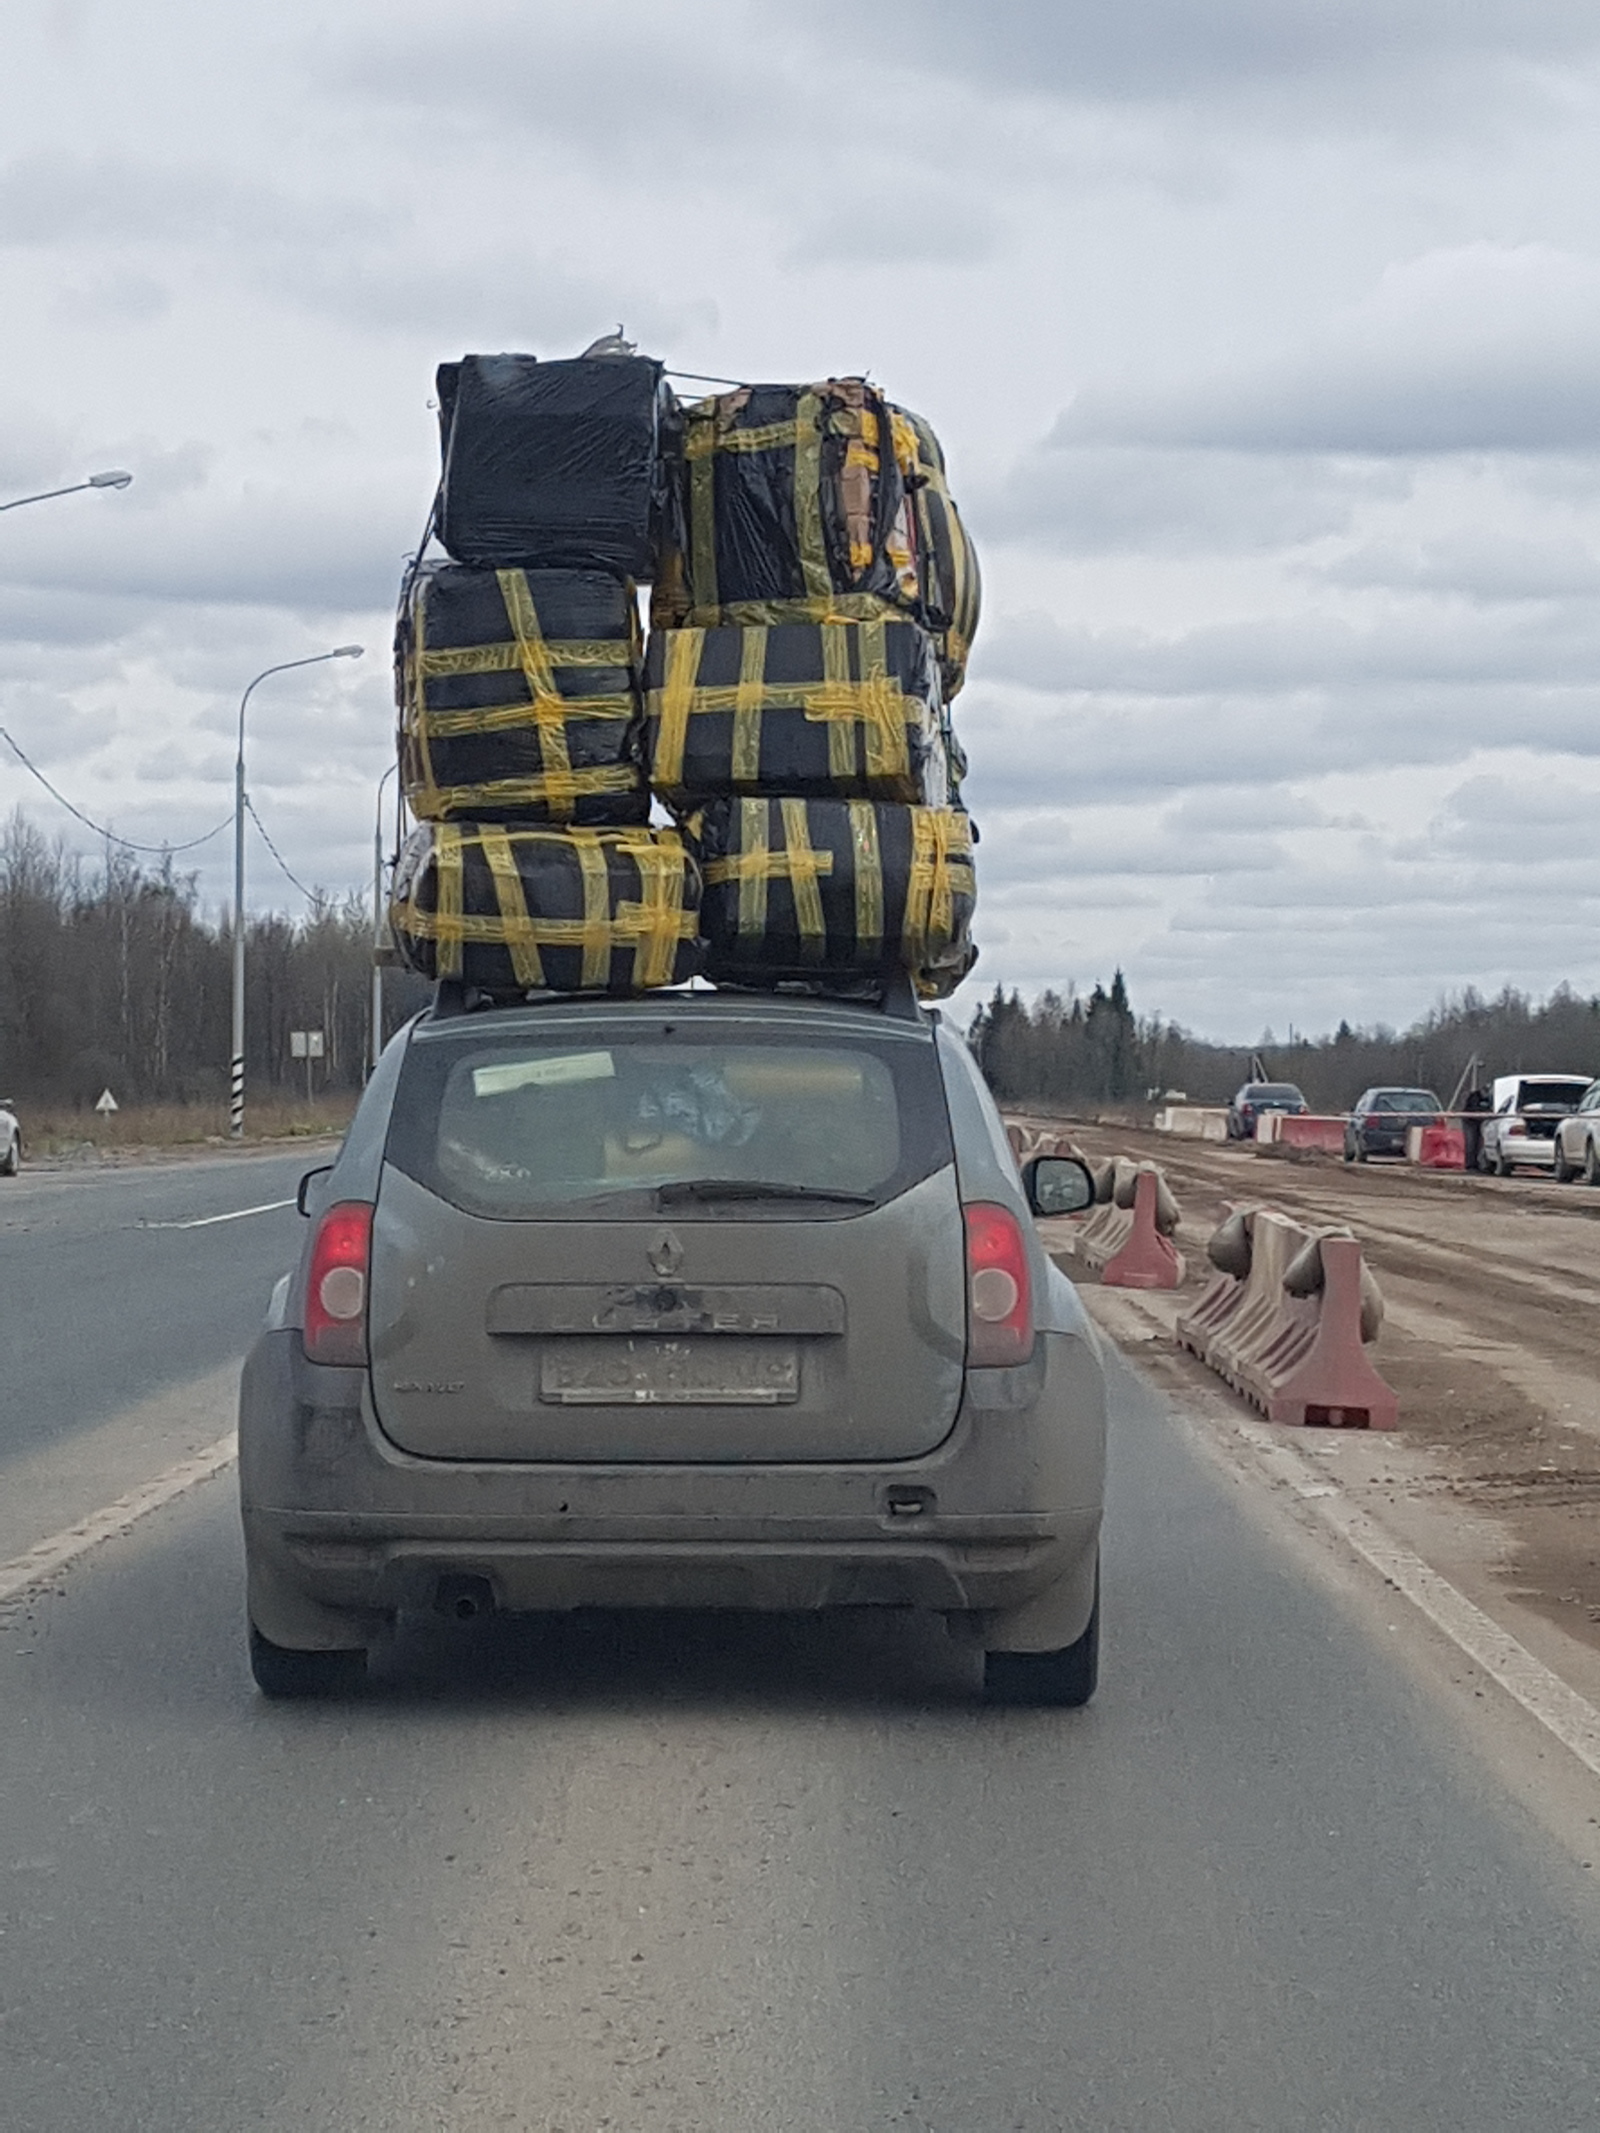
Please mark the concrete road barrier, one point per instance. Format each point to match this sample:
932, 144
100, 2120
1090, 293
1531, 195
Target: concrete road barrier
1436, 1147
1127, 1237
1289, 1331
1195, 1122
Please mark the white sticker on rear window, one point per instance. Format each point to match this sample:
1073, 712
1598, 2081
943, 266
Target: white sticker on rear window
541, 1073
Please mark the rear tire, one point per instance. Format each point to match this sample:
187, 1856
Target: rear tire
1065, 1679
281, 1673
1591, 1162
11, 1161
1563, 1171
1502, 1166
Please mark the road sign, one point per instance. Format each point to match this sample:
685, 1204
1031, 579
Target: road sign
305, 1044
106, 1103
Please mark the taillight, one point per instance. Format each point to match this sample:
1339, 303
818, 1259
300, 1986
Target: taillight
999, 1293
1516, 1126
336, 1285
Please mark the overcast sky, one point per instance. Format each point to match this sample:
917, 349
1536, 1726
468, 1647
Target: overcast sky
1263, 337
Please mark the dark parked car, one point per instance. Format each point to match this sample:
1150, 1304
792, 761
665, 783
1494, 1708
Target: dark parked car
1382, 1118
1258, 1096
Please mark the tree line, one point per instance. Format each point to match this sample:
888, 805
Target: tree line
1084, 1051
112, 977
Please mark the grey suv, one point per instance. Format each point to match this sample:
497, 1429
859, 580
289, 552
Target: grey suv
696, 1300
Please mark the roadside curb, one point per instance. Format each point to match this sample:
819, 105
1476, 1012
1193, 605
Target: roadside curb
1133, 1320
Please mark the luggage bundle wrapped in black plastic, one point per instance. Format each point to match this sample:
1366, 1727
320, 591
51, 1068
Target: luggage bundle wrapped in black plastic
844, 710
559, 465
512, 909
794, 508
520, 696
835, 891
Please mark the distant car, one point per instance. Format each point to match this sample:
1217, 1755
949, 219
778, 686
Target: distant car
1381, 1119
1578, 1140
10, 1140
1520, 1132
1258, 1096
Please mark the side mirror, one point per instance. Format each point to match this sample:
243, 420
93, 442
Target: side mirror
1057, 1185
302, 1198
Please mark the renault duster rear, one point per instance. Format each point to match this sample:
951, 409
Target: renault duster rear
695, 1300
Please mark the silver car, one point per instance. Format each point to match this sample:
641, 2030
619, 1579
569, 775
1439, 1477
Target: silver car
697, 1300
10, 1140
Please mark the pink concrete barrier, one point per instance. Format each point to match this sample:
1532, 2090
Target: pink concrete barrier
1307, 1132
1438, 1147
1299, 1357
1145, 1259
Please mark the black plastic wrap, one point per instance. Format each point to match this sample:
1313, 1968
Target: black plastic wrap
947, 562
519, 694
845, 710
792, 498
835, 890
555, 465
514, 910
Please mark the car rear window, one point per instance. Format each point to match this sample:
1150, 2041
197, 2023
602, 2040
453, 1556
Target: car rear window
593, 1125
1276, 1092
1566, 1094
1405, 1100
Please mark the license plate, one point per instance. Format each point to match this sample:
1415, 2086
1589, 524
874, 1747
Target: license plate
667, 1373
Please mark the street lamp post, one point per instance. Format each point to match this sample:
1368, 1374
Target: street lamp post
115, 479
236, 1074
377, 919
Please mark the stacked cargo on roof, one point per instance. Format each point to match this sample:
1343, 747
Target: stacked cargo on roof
803, 646
813, 601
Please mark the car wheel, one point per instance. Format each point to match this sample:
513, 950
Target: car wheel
1591, 1162
1066, 1678
1485, 1160
1349, 1152
11, 1161
280, 1672
1563, 1171
1502, 1166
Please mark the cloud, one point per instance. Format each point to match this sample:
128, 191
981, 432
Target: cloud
1480, 564
1469, 348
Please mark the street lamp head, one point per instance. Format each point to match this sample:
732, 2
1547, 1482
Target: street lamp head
347, 651
115, 479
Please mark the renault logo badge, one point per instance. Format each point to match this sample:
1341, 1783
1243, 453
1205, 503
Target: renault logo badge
665, 1254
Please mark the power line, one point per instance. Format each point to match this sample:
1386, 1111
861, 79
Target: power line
111, 837
312, 896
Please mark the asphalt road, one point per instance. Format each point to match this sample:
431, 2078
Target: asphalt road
117, 1284
722, 1875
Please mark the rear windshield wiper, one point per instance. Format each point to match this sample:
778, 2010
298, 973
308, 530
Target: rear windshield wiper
754, 1189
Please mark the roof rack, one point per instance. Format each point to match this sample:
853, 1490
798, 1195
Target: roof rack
895, 997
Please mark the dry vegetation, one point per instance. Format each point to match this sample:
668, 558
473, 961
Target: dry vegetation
60, 1133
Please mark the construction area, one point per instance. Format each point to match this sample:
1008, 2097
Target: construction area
1492, 1471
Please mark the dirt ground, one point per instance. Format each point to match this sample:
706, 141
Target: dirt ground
1492, 1293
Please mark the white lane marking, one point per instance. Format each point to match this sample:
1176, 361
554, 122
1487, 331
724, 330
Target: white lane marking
52, 1556
237, 1214
1568, 1717
1528, 1681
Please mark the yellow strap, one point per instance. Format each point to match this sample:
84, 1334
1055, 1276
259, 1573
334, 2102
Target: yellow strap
556, 793
804, 869
833, 607
506, 718
547, 707
749, 699
941, 867
869, 876
449, 863
879, 706
507, 657
516, 925
670, 704
596, 936
660, 919
809, 539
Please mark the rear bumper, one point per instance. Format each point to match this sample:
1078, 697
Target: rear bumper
340, 1524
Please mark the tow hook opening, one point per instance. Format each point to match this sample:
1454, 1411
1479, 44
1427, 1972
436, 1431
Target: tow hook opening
463, 1598
901, 1502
